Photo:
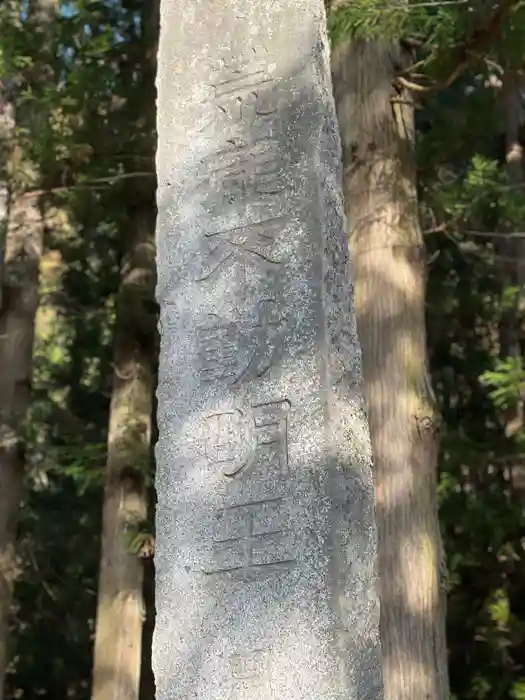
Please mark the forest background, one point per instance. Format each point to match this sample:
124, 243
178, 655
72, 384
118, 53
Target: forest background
77, 206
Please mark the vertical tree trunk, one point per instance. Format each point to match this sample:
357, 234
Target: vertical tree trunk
387, 253
512, 249
120, 612
17, 319
9, 471
147, 679
6, 141
21, 244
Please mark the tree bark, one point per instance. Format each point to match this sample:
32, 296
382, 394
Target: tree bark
17, 319
120, 612
147, 679
388, 260
21, 244
512, 252
6, 140
10, 471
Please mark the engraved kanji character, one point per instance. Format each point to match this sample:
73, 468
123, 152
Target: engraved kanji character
241, 85
270, 430
267, 340
226, 440
221, 343
237, 92
245, 167
253, 536
249, 245
247, 664
217, 349
236, 442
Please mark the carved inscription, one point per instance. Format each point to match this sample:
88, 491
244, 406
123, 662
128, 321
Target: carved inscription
240, 94
236, 442
249, 672
244, 86
217, 341
225, 445
253, 539
220, 342
249, 164
246, 665
250, 246
271, 431
244, 167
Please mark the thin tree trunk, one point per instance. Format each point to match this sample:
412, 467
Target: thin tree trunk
512, 251
120, 612
23, 249
388, 260
10, 485
21, 245
6, 140
147, 679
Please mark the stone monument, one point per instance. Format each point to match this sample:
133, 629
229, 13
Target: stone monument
266, 541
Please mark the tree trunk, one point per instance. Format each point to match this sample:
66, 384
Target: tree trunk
23, 249
120, 612
21, 243
6, 141
512, 251
9, 472
388, 260
147, 679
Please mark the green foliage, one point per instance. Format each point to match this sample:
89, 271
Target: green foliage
373, 19
140, 539
81, 96
507, 379
56, 596
435, 23
467, 206
76, 86
518, 690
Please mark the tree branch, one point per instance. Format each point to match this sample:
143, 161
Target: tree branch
98, 183
459, 59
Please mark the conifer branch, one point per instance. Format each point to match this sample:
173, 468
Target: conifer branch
98, 183
477, 42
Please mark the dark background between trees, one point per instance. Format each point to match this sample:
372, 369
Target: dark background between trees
82, 147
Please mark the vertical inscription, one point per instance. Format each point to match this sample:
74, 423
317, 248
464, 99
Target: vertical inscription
252, 539
249, 163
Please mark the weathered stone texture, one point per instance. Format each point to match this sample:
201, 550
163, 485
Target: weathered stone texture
266, 542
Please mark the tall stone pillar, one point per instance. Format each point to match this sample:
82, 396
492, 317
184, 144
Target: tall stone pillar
266, 541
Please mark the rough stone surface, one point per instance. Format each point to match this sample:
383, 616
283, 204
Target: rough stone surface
266, 541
